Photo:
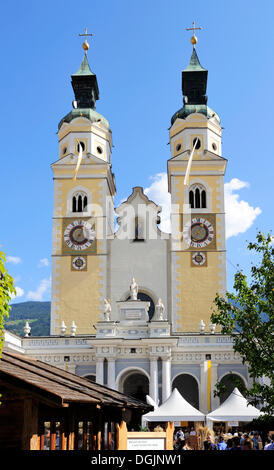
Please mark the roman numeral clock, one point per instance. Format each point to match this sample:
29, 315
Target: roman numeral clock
78, 241
199, 235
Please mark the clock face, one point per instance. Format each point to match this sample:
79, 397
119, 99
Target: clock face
79, 235
79, 263
199, 232
198, 258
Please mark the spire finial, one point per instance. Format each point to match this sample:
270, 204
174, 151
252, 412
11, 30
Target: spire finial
194, 39
86, 44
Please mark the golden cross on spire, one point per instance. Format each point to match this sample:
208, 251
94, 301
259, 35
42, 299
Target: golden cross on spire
86, 44
194, 39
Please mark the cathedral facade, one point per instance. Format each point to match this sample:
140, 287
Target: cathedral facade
131, 304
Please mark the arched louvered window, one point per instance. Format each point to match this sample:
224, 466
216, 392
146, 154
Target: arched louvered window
197, 197
203, 199
79, 202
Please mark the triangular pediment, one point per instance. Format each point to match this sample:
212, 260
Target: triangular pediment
204, 155
71, 158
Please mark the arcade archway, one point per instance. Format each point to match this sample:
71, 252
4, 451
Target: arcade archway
136, 385
230, 381
188, 387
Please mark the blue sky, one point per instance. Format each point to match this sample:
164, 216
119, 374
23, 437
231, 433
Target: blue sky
138, 52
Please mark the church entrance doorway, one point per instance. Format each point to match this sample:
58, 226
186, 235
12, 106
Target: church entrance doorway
136, 385
188, 388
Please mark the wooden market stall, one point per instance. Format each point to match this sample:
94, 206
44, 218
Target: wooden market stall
46, 408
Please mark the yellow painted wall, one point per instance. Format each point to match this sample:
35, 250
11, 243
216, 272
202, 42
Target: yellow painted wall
78, 294
94, 186
196, 289
78, 297
212, 182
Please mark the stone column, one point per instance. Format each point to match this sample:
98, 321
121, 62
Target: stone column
203, 405
100, 370
166, 378
111, 373
153, 384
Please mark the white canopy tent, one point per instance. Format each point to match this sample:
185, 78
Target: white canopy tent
175, 408
234, 408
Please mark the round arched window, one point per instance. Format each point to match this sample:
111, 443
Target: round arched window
82, 145
198, 143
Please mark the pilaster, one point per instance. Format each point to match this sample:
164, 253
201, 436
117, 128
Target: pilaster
100, 370
166, 377
111, 373
153, 384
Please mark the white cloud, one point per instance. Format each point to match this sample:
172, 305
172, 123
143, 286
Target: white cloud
14, 259
239, 214
158, 193
19, 292
43, 287
44, 262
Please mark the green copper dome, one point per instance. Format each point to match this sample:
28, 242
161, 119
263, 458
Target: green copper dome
188, 109
88, 113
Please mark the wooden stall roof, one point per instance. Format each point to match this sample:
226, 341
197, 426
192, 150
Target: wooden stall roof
60, 386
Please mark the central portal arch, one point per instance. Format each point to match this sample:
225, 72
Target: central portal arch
188, 387
135, 384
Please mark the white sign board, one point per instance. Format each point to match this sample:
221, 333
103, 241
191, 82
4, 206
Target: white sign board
146, 444
233, 423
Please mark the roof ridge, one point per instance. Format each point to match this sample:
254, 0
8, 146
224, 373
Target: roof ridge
68, 379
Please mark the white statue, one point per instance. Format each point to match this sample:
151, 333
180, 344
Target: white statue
212, 327
160, 310
73, 328
107, 310
202, 326
27, 329
133, 290
63, 328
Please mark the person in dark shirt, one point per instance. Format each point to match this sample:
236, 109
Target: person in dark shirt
209, 444
236, 443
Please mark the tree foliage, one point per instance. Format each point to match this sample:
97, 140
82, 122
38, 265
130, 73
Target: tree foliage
6, 290
248, 317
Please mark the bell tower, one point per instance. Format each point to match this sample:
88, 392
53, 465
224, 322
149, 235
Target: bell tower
83, 208
198, 256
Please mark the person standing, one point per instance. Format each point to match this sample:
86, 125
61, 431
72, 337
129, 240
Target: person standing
221, 444
270, 445
209, 444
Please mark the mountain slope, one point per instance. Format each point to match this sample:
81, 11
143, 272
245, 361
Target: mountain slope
36, 313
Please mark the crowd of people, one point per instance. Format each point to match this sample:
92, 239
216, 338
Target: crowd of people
206, 439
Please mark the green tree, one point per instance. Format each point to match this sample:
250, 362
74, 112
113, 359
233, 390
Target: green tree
6, 290
248, 317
